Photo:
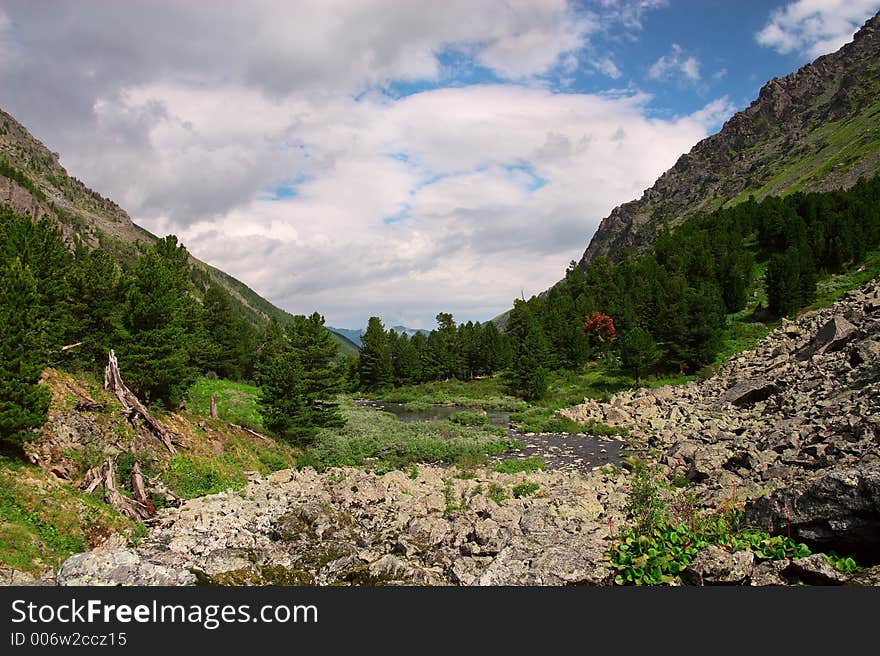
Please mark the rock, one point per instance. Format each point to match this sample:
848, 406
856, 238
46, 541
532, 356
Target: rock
118, 567
769, 573
714, 566
749, 392
835, 510
831, 337
865, 352
815, 570
868, 576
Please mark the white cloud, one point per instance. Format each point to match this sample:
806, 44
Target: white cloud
675, 65
815, 27
607, 66
197, 117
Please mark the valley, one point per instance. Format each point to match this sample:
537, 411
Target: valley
695, 402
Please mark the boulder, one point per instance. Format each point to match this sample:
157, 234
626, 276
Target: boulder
868, 576
749, 392
831, 337
835, 510
714, 566
118, 567
769, 573
815, 570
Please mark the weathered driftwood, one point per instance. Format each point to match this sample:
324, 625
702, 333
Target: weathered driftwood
249, 431
105, 476
139, 491
213, 406
131, 404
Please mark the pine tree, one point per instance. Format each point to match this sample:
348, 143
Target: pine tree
155, 354
376, 368
270, 344
312, 345
638, 352
23, 402
95, 299
527, 376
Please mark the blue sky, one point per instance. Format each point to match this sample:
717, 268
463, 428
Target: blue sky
398, 159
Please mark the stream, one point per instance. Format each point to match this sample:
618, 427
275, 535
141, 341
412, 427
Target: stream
560, 451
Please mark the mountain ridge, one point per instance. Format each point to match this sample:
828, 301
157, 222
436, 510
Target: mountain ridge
33, 182
816, 129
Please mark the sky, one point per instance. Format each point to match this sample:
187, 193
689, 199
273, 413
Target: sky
392, 158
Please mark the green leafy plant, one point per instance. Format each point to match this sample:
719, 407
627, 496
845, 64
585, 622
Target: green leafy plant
514, 466
497, 493
525, 490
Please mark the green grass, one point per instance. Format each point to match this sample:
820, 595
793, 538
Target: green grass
43, 522
469, 418
539, 419
195, 476
831, 288
515, 466
377, 439
236, 402
484, 393
526, 489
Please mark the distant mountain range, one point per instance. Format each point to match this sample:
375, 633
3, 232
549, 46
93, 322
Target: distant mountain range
354, 336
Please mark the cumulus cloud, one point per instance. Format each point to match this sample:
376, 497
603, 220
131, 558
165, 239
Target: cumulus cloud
265, 138
815, 27
675, 64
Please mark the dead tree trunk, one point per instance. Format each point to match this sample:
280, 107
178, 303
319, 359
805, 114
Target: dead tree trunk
135, 509
131, 404
213, 406
138, 491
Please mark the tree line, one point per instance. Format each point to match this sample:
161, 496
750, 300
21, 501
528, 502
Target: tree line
669, 306
464, 351
68, 306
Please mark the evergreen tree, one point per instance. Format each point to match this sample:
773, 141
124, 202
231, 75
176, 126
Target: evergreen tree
283, 400
270, 344
527, 376
299, 385
95, 284
638, 352
155, 354
230, 339
315, 349
376, 368
23, 402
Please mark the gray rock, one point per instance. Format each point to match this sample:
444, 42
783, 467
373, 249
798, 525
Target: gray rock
118, 567
831, 337
714, 566
815, 570
749, 392
836, 510
769, 573
868, 576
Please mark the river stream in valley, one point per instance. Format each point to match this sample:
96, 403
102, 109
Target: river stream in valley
560, 451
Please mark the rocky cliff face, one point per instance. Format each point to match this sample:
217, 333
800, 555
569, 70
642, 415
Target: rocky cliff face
815, 130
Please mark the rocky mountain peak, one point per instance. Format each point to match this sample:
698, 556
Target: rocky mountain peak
816, 129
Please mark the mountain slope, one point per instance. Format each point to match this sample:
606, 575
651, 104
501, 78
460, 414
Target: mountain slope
33, 182
817, 129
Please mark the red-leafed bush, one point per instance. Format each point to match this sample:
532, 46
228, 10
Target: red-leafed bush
601, 326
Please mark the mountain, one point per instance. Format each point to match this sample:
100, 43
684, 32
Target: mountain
817, 129
33, 182
354, 336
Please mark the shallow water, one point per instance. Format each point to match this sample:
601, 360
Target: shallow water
560, 451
